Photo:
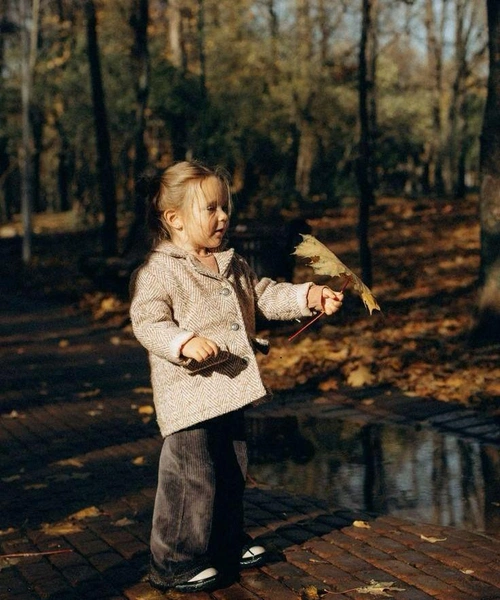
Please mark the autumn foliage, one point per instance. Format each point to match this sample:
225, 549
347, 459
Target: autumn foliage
426, 256
426, 261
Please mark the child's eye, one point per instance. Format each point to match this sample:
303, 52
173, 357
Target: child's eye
211, 207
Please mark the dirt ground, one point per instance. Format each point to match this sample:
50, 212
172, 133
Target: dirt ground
425, 267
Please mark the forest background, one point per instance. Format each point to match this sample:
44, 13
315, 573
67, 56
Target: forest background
325, 112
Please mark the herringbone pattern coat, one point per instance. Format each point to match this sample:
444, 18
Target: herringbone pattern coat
173, 297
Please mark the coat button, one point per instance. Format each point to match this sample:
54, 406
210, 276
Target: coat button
225, 291
246, 359
235, 326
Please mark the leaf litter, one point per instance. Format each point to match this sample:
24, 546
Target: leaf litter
426, 264
375, 588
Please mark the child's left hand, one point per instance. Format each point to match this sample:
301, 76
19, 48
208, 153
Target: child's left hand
324, 299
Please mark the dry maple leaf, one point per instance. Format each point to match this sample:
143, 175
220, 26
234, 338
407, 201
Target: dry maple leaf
324, 262
379, 588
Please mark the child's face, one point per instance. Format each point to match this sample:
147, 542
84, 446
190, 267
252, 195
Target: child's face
209, 219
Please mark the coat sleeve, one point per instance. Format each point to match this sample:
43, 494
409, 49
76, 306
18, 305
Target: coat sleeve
281, 300
151, 317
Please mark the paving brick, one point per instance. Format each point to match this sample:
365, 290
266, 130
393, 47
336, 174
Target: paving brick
80, 573
489, 574
479, 553
323, 548
465, 583
313, 548
235, 592
143, 591
414, 577
266, 588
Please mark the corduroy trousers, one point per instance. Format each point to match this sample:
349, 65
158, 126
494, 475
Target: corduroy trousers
198, 510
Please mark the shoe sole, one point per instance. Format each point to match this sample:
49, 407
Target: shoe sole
194, 586
254, 561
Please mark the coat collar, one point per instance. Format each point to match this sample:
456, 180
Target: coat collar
223, 257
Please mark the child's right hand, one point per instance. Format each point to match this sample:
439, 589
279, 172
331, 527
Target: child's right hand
199, 348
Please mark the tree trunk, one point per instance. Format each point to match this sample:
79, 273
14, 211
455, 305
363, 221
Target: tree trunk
273, 38
29, 17
140, 58
304, 97
176, 36
487, 329
435, 60
104, 161
367, 118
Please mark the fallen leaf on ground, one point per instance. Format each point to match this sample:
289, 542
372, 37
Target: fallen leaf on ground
311, 592
379, 588
432, 540
62, 528
362, 524
11, 478
143, 390
90, 511
124, 522
14, 415
89, 394
70, 462
328, 385
360, 376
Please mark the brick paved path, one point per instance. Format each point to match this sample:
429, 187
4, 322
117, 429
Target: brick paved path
77, 478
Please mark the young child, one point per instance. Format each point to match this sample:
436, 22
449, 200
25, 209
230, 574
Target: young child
194, 307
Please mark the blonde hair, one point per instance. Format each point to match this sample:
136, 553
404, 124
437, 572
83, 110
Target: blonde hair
177, 188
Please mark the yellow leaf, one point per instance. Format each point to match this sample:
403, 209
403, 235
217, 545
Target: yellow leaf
124, 522
143, 390
89, 394
432, 540
328, 385
310, 592
61, 528
325, 262
146, 410
362, 524
70, 462
91, 511
15, 415
139, 461
360, 376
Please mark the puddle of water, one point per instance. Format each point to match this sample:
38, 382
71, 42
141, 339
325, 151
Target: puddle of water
407, 472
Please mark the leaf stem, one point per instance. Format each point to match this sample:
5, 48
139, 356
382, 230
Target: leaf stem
346, 283
306, 325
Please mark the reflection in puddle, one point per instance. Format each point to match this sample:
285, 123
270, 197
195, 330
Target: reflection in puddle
414, 473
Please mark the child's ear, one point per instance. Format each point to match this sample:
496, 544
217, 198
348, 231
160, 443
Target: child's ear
173, 219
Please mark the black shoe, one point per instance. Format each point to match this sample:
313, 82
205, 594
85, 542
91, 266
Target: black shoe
252, 556
205, 580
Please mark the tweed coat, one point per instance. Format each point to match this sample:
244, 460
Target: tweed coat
175, 297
